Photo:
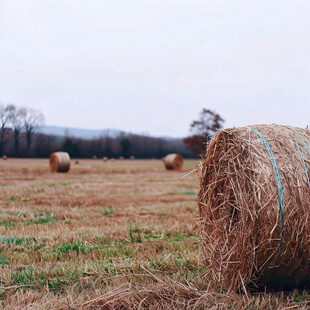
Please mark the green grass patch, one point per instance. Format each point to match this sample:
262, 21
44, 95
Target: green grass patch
23, 277
18, 241
3, 261
78, 247
7, 224
107, 212
56, 280
190, 193
135, 235
184, 193
42, 221
301, 298
65, 184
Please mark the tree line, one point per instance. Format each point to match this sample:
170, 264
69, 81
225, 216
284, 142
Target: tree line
18, 138
18, 124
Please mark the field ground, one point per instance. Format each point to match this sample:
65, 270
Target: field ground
108, 235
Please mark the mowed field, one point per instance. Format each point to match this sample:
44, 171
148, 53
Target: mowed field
108, 235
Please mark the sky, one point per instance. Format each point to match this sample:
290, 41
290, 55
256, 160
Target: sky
150, 66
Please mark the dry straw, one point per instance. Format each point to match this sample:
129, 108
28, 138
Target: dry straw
254, 206
173, 162
60, 162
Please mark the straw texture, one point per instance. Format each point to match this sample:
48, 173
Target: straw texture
243, 240
173, 162
60, 162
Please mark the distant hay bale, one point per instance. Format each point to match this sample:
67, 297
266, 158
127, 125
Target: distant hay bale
60, 162
94, 157
77, 162
121, 158
4, 157
173, 162
132, 157
254, 207
105, 158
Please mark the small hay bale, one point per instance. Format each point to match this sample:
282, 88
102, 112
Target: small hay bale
105, 159
173, 162
254, 207
121, 158
4, 157
132, 157
60, 162
94, 157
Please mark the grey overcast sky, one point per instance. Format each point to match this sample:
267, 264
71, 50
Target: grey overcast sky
152, 65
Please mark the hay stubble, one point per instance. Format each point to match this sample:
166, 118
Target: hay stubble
105, 236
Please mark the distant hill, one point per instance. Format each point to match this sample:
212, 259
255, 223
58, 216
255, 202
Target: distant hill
78, 132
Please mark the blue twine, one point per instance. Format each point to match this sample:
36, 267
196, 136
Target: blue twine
276, 170
303, 162
302, 158
303, 141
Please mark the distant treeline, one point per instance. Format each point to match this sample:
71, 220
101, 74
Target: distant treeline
125, 145
19, 138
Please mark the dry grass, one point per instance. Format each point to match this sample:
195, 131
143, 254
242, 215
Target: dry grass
108, 235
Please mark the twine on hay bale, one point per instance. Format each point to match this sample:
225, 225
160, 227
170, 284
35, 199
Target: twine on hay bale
254, 206
173, 162
60, 162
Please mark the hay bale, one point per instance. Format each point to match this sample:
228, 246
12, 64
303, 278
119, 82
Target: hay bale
94, 157
121, 158
173, 162
105, 159
60, 162
254, 203
77, 162
132, 157
4, 157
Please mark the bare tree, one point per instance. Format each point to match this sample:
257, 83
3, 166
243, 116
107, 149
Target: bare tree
4, 120
16, 116
32, 119
208, 124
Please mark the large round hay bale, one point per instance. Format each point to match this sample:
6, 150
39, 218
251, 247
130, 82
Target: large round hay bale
254, 206
60, 162
173, 162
